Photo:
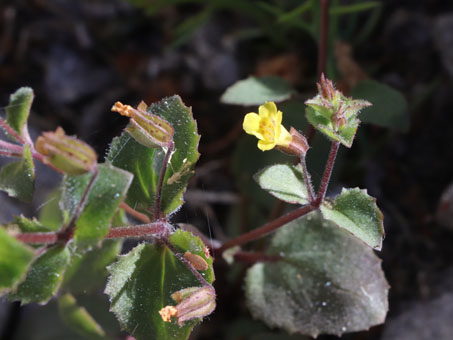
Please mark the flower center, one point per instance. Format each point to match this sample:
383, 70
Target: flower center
267, 129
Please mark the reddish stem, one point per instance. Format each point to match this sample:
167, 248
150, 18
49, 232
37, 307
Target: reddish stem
322, 47
187, 264
157, 203
327, 173
12, 132
138, 215
157, 229
254, 257
307, 180
37, 238
267, 228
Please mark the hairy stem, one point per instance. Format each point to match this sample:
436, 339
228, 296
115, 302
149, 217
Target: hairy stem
187, 264
163, 170
307, 180
322, 47
157, 229
131, 211
267, 228
254, 257
327, 172
37, 238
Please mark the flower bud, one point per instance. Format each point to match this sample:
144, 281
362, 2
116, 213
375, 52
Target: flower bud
146, 128
65, 153
193, 302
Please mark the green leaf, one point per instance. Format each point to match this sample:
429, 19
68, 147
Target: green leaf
27, 225
141, 284
108, 191
284, 181
51, 214
91, 264
186, 241
78, 319
44, 277
345, 136
357, 212
359, 7
327, 281
18, 110
17, 178
15, 258
256, 91
146, 163
390, 108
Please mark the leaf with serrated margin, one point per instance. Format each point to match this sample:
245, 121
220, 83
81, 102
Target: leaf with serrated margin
18, 178
327, 282
18, 110
15, 257
44, 276
78, 319
357, 212
284, 181
145, 163
256, 91
141, 284
108, 191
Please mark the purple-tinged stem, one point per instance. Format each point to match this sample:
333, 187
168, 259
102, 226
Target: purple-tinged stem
307, 180
187, 264
267, 228
163, 170
254, 257
138, 215
12, 132
327, 172
156, 229
37, 238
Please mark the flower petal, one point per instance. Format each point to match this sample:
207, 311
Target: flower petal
285, 138
267, 110
265, 146
251, 124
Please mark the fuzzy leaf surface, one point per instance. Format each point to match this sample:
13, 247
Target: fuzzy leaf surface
78, 319
18, 110
141, 283
327, 282
18, 178
108, 191
15, 257
145, 163
356, 211
44, 276
390, 108
256, 91
284, 181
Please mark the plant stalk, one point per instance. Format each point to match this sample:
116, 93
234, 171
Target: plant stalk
327, 173
163, 170
307, 180
267, 228
12, 132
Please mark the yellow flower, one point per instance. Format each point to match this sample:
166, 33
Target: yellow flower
267, 127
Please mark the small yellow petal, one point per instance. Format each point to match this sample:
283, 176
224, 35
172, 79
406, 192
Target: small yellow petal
278, 117
267, 110
251, 124
285, 138
265, 146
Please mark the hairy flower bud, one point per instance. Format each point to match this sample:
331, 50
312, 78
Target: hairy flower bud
193, 302
65, 153
146, 128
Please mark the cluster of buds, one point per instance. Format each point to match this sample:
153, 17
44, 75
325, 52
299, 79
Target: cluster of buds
146, 128
192, 303
332, 104
66, 154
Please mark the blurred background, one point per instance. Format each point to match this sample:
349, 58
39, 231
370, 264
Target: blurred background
82, 56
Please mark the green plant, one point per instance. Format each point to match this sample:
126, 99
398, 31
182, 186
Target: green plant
314, 278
